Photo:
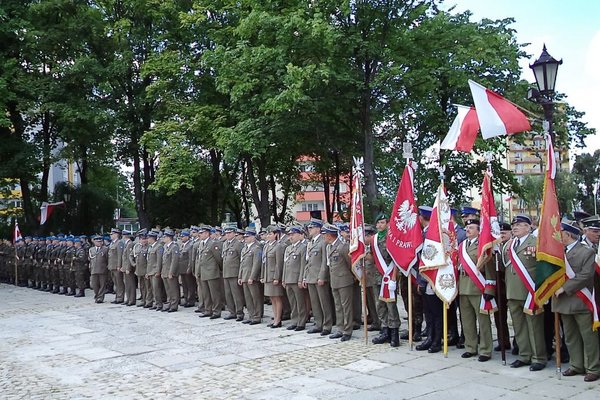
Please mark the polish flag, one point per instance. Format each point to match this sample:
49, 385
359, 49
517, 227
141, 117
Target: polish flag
17, 235
489, 228
46, 210
497, 116
463, 132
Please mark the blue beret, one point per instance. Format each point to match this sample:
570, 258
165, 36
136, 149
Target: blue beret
76, 240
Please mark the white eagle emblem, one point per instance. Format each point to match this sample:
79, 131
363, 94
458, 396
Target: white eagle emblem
406, 217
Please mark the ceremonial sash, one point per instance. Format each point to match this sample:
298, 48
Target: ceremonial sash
387, 292
586, 296
530, 307
485, 306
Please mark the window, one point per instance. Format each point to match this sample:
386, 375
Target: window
519, 155
310, 206
519, 168
306, 167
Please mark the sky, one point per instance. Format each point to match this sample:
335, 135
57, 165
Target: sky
571, 31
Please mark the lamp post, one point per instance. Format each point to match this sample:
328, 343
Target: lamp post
545, 69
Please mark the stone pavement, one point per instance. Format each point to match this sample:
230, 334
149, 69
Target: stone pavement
58, 347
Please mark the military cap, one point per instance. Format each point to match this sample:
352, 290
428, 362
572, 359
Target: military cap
153, 234
239, 231
315, 223
592, 222
469, 210
425, 211
217, 229
472, 222
580, 214
370, 229
194, 228
60, 235
107, 238
97, 237
27, 237
521, 218
505, 226
250, 231
344, 227
330, 229
76, 240
142, 232
282, 227
115, 230
228, 229
126, 233
381, 216
70, 238
185, 232
204, 228
570, 226
453, 211
82, 236
296, 229
169, 232
273, 228
62, 239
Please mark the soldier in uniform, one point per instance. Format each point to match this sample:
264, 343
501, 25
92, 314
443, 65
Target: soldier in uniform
115, 255
471, 295
577, 318
249, 277
294, 261
40, 253
500, 316
138, 259
316, 279
373, 280
69, 267
46, 265
22, 268
386, 309
208, 271
28, 261
170, 271
591, 238
54, 265
342, 282
98, 256
234, 294
153, 270
128, 270
271, 273
79, 267
519, 260
188, 253
196, 270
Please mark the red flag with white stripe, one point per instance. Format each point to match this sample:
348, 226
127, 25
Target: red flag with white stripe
489, 228
17, 234
497, 116
463, 132
405, 236
357, 231
46, 210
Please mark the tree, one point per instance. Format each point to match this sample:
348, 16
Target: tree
586, 174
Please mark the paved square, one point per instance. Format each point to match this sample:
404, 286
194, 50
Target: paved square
58, 347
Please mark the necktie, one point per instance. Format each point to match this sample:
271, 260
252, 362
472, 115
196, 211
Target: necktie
517, 244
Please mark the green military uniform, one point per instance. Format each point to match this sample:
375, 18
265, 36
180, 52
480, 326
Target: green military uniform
387, 310
209, 264
234, 295
170, 273
529, 329
80, 267
139, 259
153, 271
249, 276
470, 301
28, 261
69, 269
188, 284
373, 287
20, 249
294, 261
98, 258
129, 286
115, 263
582, 341
342, 285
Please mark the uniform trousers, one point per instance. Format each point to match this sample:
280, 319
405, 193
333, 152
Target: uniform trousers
173, 292
320, 302
529, 333
188, 282
357, 303
149, 292
117, 278
200, 293
234, 297
342, 298
158, 290
130, 287
296, 297
471, 317
372, 298
254, 300
582, 343
98, 284
388, 313
212, 292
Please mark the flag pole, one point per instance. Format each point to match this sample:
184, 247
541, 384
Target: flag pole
557, 341
445, 308
410, 312
363, 282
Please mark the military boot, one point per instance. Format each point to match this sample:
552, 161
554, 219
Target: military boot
394, 337
56, 289
417, 331
427, 343
80, 293
383, 337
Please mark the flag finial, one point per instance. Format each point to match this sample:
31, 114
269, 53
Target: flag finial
442, 170
407, 150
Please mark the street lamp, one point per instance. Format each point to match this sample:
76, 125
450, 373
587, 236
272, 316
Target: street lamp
545, 69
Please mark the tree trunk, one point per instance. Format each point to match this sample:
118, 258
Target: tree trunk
328, 203
215, 161
244, 189
260, 190
138, 192
367, 132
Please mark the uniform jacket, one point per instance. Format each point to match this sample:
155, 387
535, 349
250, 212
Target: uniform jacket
98, 259
185, 254
340, 265
272, 261
139, 258
127, 250
115, 254
466, 286
294, 263
232, 251
515, 289
209, 260
154, 264
170, 260
250, 262
316, 261
581, 258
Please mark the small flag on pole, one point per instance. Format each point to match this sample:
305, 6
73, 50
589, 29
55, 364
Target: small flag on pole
463, 132
17, 236
357, 231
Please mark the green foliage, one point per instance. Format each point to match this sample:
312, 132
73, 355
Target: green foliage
586, 174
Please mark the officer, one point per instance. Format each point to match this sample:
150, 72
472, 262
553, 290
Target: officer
576, 316
342, 281
128, 270
373, 280
208, 271
294, 261
187, 255
79, 267
249, 277
234, 295
473, 285
28, 261
272, 270
139, 260
20, 249
115, 263
170, 271
98, 257
155, 250
500, 316
591, 238
69, 266
519, 260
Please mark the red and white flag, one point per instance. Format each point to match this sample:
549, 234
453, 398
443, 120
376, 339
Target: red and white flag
405, 237
17, 235
497, 116
357, 230
46, 210
463, 132
489, 234
440, 250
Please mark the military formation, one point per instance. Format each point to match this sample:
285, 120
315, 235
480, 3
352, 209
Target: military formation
305, 273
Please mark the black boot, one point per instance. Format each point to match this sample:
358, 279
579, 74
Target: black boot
417, 331
427, 343
394, 337
436, 340
383, 337
80, 293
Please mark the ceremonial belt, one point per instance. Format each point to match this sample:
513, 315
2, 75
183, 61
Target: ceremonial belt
585, 295
387, 292
530, 306
485, 306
